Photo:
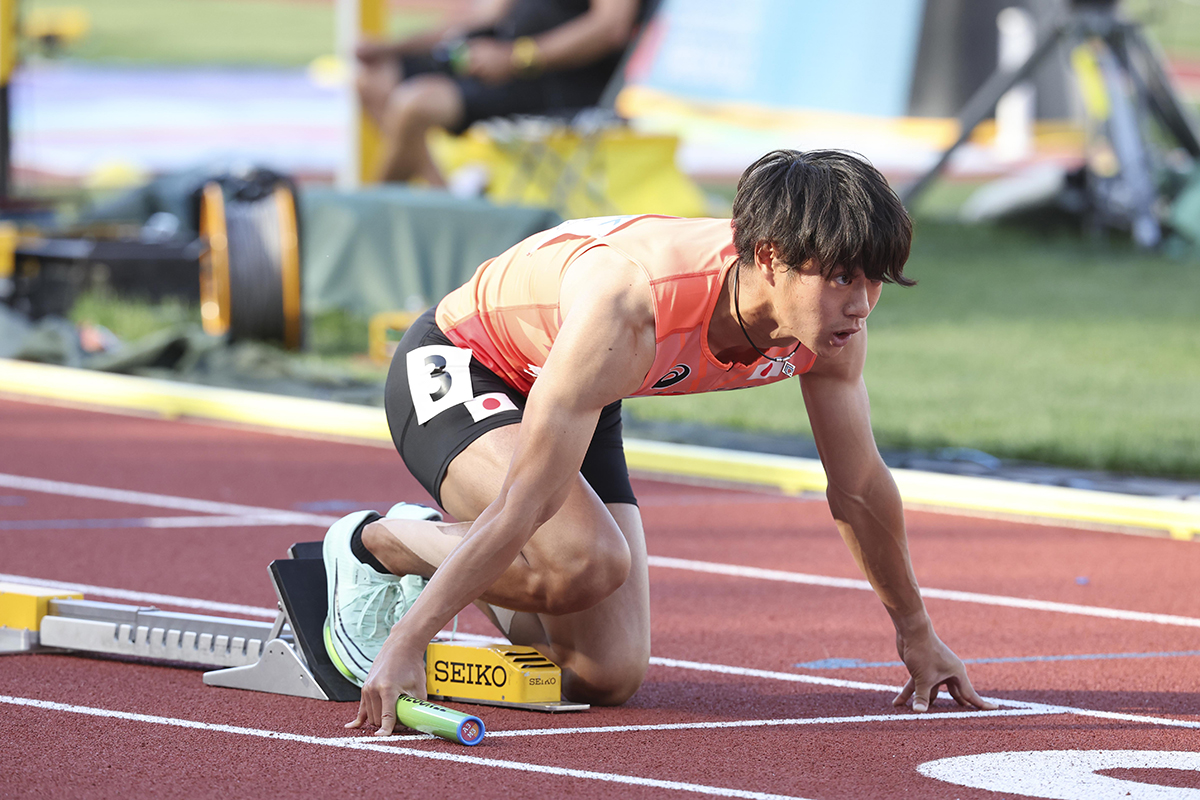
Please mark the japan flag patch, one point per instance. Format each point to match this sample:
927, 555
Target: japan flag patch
485, 405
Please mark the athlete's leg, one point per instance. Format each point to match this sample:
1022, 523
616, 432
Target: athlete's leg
581, 579
571, 563
413, 107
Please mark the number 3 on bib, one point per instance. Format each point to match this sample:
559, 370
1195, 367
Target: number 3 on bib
439, 377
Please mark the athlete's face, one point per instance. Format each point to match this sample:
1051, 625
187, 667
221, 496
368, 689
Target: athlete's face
825, 312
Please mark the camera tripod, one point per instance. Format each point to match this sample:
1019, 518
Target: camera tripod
1134, 87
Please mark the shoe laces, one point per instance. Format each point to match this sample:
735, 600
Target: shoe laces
383, 594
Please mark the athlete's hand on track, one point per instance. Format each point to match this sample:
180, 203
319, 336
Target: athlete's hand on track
931, 665
396, 671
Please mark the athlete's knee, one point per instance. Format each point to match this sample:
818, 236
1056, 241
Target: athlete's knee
579, 583
606, 683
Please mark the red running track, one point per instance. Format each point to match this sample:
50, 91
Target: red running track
742, 718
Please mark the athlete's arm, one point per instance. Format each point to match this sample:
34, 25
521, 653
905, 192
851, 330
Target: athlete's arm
481, 15
601, 354
604, 28
867, 509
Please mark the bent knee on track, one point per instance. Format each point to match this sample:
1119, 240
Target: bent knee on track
604, 683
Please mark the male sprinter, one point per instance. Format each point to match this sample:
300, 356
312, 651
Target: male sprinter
504, 401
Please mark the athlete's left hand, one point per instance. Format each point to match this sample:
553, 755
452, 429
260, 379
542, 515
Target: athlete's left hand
931, 665
397, 670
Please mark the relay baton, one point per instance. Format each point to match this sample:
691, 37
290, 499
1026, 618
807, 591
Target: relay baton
423, 716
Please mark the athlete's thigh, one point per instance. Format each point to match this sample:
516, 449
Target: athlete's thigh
475, 476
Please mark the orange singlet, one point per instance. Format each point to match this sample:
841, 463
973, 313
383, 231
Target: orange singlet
507, 314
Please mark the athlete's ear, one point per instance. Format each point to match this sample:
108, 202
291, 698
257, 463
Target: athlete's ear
767, 261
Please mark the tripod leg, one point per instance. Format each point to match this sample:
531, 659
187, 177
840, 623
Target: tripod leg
981, 104
1131, 194
1145, 65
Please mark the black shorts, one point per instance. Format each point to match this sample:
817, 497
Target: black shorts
554, 91
458, 399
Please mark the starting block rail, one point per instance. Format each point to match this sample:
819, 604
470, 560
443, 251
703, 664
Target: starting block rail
286, 656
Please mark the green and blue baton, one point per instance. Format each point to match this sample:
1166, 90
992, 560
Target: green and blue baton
426, 717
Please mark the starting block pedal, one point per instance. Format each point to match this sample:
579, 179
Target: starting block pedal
284, 657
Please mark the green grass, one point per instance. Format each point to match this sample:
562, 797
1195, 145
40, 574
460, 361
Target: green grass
130, 319
227, 32
1174, 24
1049, 349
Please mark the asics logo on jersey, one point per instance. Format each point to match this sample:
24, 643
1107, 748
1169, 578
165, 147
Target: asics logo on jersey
677, 373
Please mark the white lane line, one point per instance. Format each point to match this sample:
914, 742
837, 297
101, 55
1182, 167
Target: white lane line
1146, 719
880, 687
149, 598
157, 500
670, 663
258, 520
358, 743
938, 594
752, 723
790, 677
280, 516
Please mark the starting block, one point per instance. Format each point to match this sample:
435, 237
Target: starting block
286, 656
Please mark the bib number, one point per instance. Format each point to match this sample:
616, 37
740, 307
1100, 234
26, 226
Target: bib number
439, 377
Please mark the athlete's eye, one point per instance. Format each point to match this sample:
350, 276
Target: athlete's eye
843, 279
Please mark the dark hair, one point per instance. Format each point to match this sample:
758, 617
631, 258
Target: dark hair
827, 206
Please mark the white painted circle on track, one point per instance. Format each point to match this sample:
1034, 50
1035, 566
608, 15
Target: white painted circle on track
1065, 774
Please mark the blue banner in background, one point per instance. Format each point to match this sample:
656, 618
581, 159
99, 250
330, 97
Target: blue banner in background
854, 56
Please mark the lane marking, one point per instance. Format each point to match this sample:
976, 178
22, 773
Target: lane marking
670, 663
146, 522
149, 598
748, 723
854, 663
157, 500
1166, 722
358, 743
303, 518
1065, 774
938, 594
790, 677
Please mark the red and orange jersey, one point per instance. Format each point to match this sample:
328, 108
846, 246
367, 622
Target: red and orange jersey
508, 313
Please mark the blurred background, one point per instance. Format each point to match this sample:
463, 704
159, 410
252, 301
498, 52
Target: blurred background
187, 194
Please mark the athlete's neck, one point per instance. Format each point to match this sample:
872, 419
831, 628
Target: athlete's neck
725, 338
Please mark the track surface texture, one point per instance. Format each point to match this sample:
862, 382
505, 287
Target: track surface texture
773, 672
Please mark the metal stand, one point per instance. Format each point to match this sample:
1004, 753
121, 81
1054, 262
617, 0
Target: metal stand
284, 657
1136, 85
287, 656
298, 665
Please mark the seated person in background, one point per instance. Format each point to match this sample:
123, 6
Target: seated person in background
508, 57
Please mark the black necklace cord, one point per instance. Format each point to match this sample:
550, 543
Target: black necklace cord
738, 313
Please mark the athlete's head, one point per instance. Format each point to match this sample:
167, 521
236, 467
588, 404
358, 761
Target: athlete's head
825, 206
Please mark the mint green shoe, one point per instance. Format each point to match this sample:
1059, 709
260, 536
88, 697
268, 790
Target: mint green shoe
363, 603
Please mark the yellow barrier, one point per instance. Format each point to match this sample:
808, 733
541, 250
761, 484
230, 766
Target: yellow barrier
612, 171
379, 346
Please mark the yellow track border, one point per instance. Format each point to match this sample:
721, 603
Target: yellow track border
1177, 518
